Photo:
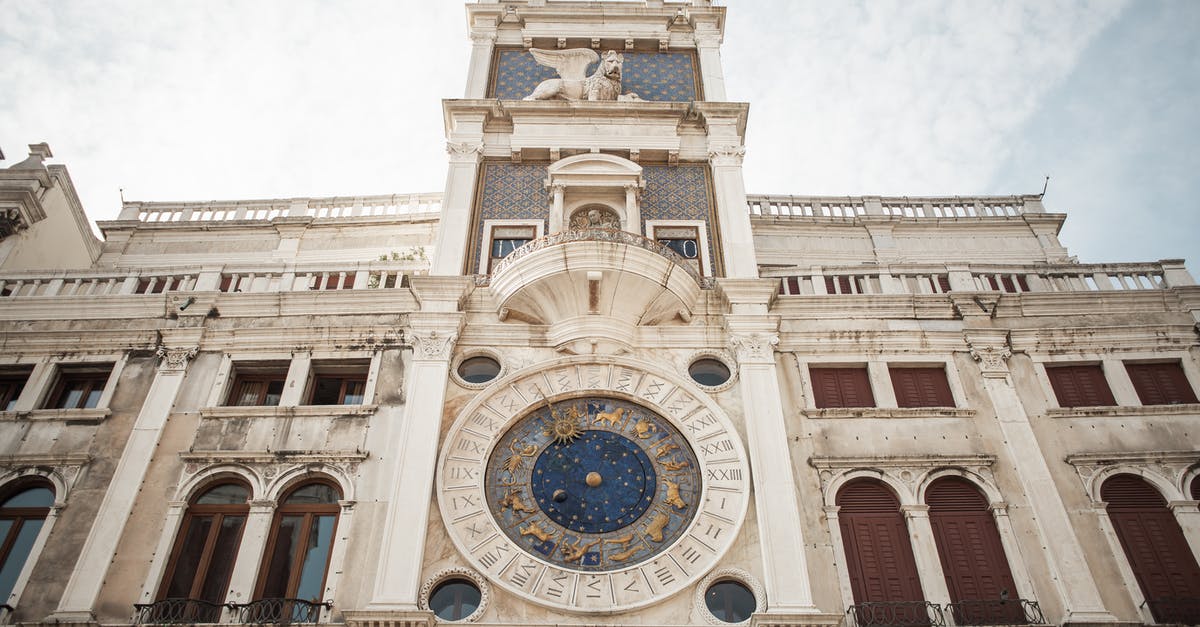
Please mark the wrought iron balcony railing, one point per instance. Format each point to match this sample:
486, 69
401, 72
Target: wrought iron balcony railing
895, 614
1176, 611
176, 612
279, 611
996, 612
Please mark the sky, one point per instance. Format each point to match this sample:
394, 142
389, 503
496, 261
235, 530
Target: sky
222, 99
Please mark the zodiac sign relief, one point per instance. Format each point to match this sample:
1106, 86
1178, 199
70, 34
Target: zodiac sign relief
673, 465
644, 428
626, 552
573, 552
673, 497
665, 449
513, 501
534, 528
514, 462
613, 418
654, 530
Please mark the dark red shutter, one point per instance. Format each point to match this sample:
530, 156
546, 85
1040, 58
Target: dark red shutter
968, 542
1196, 489
1160, 384
1080, 386
944, 283
841, 387
921, 387
1153, 542
879, 557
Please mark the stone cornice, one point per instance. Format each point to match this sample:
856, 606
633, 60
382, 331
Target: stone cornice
888, 413
1185, 409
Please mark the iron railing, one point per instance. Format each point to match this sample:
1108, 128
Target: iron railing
996, 612
601, 235
177, 611
895, 614
279, 611
1179, 611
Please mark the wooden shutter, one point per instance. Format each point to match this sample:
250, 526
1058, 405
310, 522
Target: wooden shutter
1154, 544
1160, 384
968, 542
1196, 489
841, 387
879, 557
1080, 386
921, 387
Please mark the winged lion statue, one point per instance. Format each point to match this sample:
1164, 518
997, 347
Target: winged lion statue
573, 82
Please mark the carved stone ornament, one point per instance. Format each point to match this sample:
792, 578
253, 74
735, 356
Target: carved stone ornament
485, 590
754, 347
175, 359
1168, 467
464, 149
993, 360
595, 218
726, 155
573, 82
432, 344
911, 472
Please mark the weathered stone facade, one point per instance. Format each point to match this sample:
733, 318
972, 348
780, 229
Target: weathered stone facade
375, 350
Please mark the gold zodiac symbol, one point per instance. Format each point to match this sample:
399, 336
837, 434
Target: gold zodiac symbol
654, 530
626, 552
574, 552
513, 501
673, 497
514, 462
665, 449
673, 465
613, 418
534, 528
564, 428
644, 428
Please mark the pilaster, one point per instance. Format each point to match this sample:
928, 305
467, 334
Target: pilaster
1187, 514
249, 555
929, 564
79, 597
464, 145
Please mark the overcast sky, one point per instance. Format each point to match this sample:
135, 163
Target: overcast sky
190, 100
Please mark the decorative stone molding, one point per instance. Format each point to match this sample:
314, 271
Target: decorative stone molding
483, 38
432, 345
1166, 470
485, 590
891, 413
726, 155
722, 356
754, 348
389, 618
270, 472
772, 619
728, 574
297, 411
993, 360
908, 476
1124, 411
482, 351
175, 360
60, 470
464, 151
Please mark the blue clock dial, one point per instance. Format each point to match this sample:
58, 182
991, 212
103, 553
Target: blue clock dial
593, 484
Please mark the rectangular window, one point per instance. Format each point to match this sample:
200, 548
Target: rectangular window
1080, 386
257, 384
921, 387
506, 239
1161, 384
841, 387
343, 383
12, 382
79, 386
684, 240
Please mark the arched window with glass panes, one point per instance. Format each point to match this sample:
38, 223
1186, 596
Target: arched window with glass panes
205, 548
292, 581
24, 506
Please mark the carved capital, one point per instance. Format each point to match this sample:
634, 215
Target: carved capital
726, 155
175, 359
483, 38
993, 360
754, 347
464, 151
706, 38
432, 345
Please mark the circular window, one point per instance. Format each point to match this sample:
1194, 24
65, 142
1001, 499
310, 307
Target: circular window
478, 369
708, 371
455, 599
730, 601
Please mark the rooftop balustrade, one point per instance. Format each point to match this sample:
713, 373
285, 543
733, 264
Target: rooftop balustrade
336, 207
903, 207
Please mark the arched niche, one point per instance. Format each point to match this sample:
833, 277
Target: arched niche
595, 181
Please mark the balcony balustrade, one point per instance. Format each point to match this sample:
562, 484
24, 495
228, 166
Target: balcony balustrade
941, 208
265, 210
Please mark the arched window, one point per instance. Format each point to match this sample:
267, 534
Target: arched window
205, 549
879, 556
1154, 544
23, 510
978, 578
298, 551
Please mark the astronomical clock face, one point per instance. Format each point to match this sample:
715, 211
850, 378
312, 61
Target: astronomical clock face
595, 497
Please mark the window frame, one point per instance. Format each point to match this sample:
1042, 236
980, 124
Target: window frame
96, 375
486, 260
13, 381
818, 396
22, 514
1183, 380
703, 258
347, 371
256, 371
218, 512
309, 511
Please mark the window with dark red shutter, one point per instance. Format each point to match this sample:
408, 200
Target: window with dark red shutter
969, 546
841, 387
1080, 386
1155, 546
879, 556
921, 387
1161, 384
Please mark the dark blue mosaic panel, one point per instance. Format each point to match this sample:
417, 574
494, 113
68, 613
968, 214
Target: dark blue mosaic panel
511, 191
678, 193
658, 76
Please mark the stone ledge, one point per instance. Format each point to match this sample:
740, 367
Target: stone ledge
389, 618
816, 619
888, 412
298, 411
1124, 411
82, 416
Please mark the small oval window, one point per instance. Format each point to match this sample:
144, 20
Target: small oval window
480, 369
454, 599
709, 371
730, 601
